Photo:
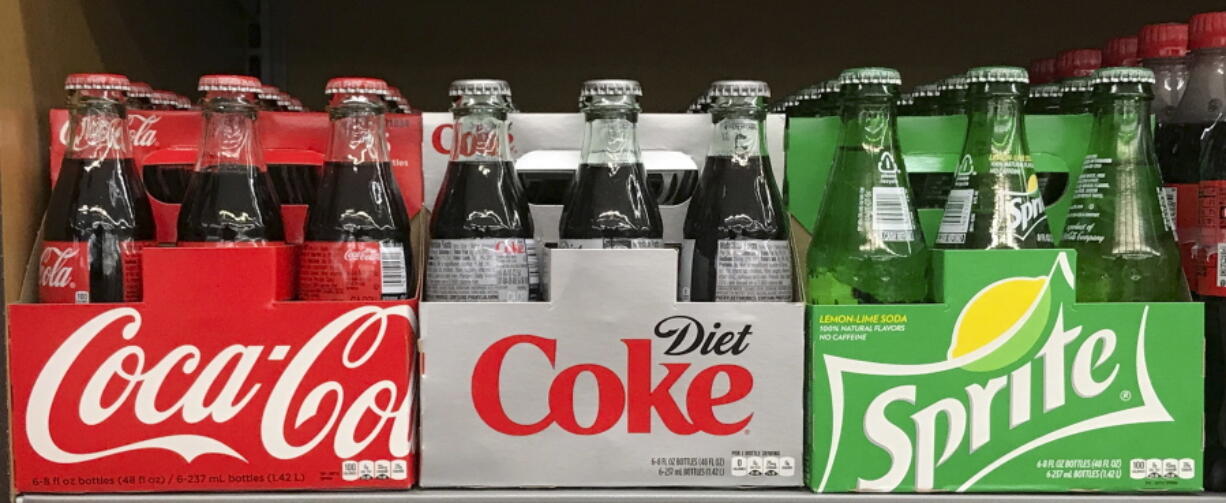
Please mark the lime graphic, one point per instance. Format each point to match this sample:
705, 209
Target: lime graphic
1009, 315
1032, 184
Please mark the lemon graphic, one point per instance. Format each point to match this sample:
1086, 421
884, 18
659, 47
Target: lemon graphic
1032, 184
1008, 315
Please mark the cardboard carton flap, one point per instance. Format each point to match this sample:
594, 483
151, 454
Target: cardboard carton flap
590, 277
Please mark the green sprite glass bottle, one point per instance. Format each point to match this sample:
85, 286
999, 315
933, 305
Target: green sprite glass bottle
807, 101
906, 102
1118, 222
1044, 99
867, 245
995, 201
952, 97
926, 100
1076, 95
828, 101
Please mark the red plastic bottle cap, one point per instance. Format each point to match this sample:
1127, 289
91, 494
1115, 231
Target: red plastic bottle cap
1207, 30
101, 81
1042, 71
231, 83
1078, 63
1121, 51
1164, 40
347, 85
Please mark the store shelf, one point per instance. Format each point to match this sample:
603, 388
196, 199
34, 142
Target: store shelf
611, 496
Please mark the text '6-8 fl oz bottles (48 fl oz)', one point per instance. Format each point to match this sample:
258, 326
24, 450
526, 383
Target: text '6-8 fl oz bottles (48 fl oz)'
357, 236
995, 201
482, 247
98, 219
735, 246
608, 204
867, 245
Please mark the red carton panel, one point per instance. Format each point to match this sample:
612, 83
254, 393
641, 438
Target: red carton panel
211, 384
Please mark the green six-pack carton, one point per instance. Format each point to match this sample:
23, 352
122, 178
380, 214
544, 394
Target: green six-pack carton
1005, 383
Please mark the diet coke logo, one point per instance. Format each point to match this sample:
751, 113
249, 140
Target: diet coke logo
55, 269
362, 255
130, 382
635, 391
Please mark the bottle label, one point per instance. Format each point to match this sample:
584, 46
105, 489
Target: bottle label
1211, 196
753, 270
685, 274
352, 270
1169, 199
891, 214
612, 243
1185, 199
1083, 214
479, 270
64, 271
956, 222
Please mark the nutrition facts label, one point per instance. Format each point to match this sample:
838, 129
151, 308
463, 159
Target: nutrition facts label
612, 243
479, 270
753, 270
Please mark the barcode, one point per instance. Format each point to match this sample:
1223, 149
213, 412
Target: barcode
391, 261
1169, 197
1221, 265
82, 297
957, 218
891, 211
534, 268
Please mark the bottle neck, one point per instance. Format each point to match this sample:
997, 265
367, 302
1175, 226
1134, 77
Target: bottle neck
1205, 96
870, 117
230, 135
1121, 124
995, 120
358, 129
481, 132
98, 126
739, 132
610, 135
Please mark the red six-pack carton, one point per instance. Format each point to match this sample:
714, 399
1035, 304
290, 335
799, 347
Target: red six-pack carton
217, 380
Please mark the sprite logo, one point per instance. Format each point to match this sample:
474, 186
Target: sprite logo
1024, 369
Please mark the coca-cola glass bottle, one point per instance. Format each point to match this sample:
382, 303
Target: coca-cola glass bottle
608, 204
482, 247
357, 235
736, 235
140, 96
229, 200
98, 218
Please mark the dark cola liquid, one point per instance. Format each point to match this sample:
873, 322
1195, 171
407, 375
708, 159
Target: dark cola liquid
361, 202
99, 201
167, 182
610, 202
1052, 186
230, 203
732, 202
294, 183
479, 199
1179, 150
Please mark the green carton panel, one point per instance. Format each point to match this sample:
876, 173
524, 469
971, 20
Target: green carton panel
1008, 384
1058, 144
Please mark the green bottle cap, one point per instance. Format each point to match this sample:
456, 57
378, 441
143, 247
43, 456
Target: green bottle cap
732, 88
808, 93
926, 91
1045, 91
952, 82
870, 75
1075, 84
1122, 74
998, 74
611, 87
829, 86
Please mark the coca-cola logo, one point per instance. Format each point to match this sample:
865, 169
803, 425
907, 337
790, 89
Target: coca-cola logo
130, 382
362, 255
511, 247
634, 392
140, 130
55, 267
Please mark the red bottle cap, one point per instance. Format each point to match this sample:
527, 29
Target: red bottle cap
1078, 63
1206, 30
1121, 51
269, 91
1042, 71
1164, 40
346, 85
231, 83
162, 98
140, 90
101, 81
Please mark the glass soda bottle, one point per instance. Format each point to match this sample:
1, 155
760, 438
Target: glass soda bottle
608, 204
482, 246
867, 245
828, 102
269, 98
140, 96
806, 101
1074, 67
1201, 120
906, 101
952, 97
995, 202
1121, 51
356, 244
98, 218
229, 200
1042, 71
1044, 99
1118, 220
735, 246
926, 100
